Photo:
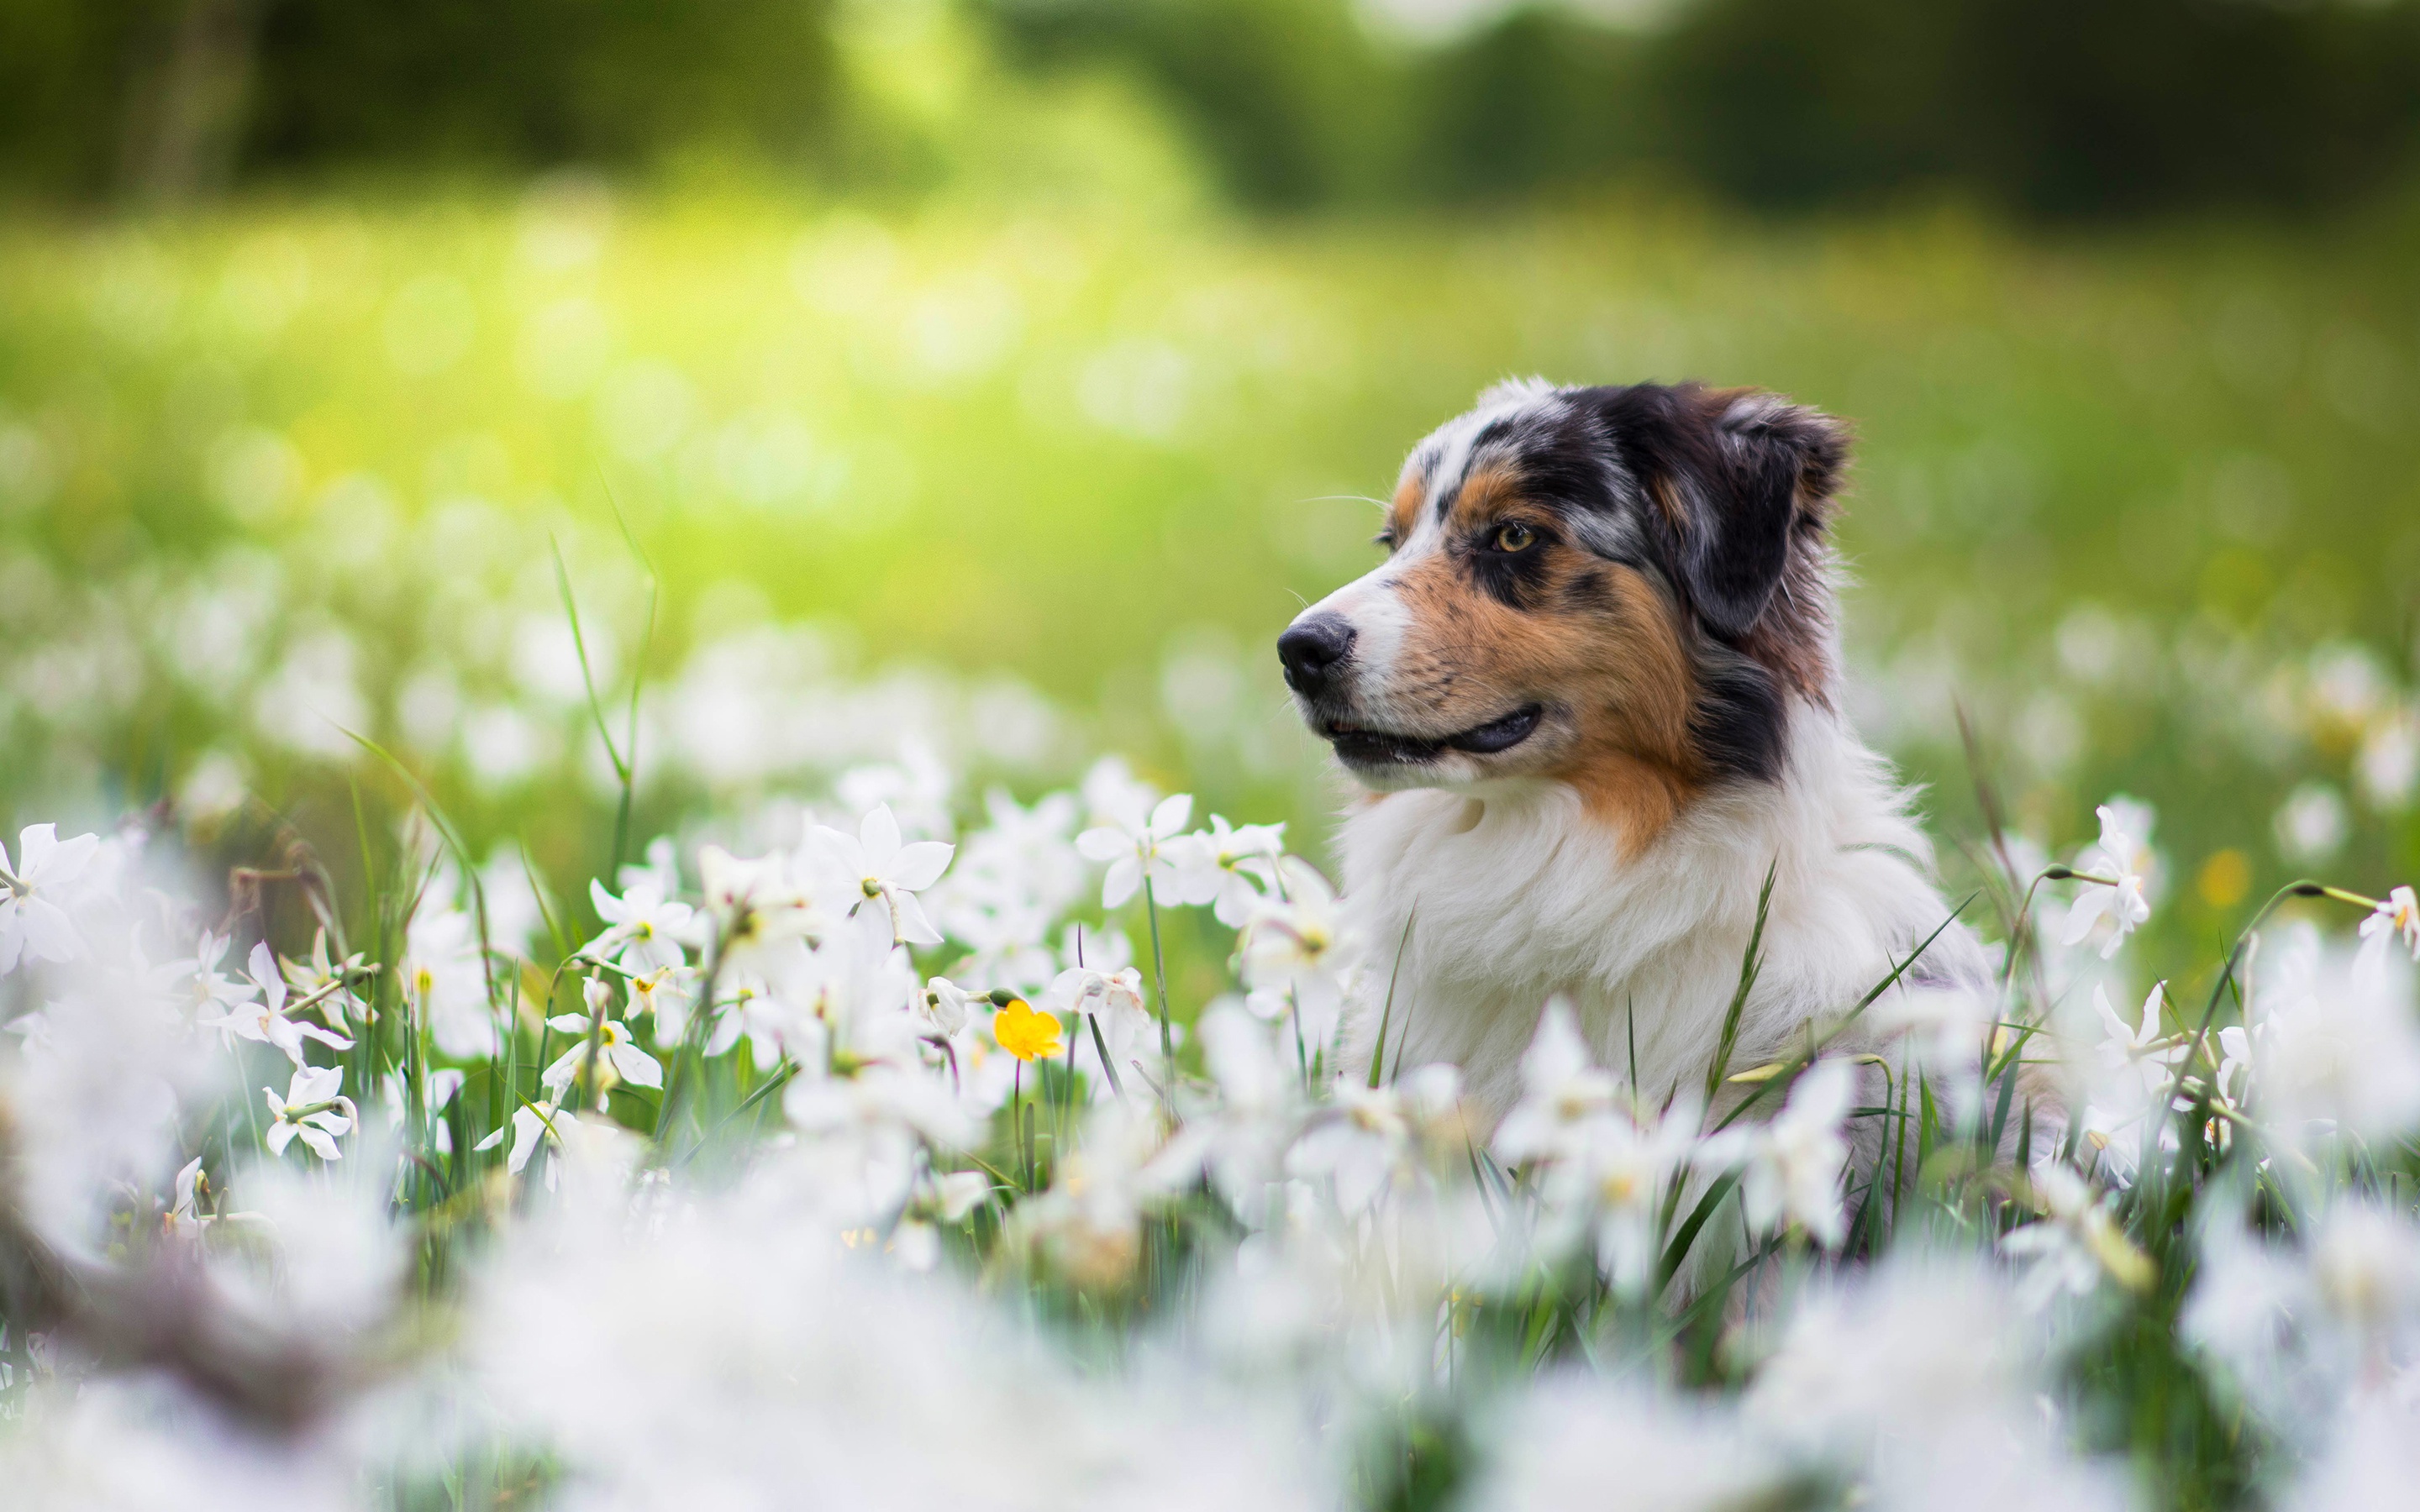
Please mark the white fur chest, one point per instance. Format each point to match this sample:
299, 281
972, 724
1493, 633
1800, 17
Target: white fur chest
1503, 897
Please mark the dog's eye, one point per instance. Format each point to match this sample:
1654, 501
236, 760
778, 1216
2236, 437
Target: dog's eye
1512, 537
1385, 539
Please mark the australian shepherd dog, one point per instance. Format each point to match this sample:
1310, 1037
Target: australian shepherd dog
1593, 692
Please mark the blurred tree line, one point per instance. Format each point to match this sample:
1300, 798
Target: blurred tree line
2051, 107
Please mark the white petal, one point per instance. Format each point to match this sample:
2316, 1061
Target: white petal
1124, 880
321, 1144
1171, 815
1104, 844
608, 908
907, 917
919, 866
878, 832
846, 853
637, 1067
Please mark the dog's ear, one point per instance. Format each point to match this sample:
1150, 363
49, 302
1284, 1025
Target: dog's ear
1735, 478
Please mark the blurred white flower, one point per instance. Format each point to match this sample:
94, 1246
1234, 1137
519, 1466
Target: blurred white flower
1110, 1003
314, 1108
2389, 762
1951, 1030
2340, 1049
532, 1124
1297, 954
1237, 864
2398, 914
1792, 1167
1552, 1448
615, 1054
2124, 859
883, 870
443, 975
34, 925
2077, 1240
323, 982
263, 1019
1154, 848
2144, 1049
643, 926
754, 909
2311, 825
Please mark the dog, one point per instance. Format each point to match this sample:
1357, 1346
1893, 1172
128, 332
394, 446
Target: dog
1593, 692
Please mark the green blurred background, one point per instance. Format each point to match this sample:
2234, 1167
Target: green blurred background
995, 375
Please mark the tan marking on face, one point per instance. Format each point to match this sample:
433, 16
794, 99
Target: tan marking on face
1404, 515
1601, 644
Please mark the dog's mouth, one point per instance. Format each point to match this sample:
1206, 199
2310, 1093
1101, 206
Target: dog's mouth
1377, 748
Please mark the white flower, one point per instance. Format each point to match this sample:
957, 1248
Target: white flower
943, 1007
2398, 914
753, 908
645, 927
324, 980
1793, 1166
1232, 866
1565, 1098
313, 1108
1112, 1001
1297, 954
444, 976
1950, 1031
1152, 848
2072, 1245
884, 871
2125, 859
2340, 1050
264, 1021
33, 925
616, 1055
2143, 1047
2237, 1045
531, 1122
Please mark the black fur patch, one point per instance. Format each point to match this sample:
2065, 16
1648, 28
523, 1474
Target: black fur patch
1740, 723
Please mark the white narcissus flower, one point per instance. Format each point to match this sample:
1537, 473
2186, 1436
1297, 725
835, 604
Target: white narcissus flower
2143, 1047
1112, 1002
33, 926
618, 1056
1563, 1095
1230, 866
2074, 1244
1297, 954
2398, 912
314, 1109
2124, 858
887, 871
1792, 1166
531, 1122
321, 975
943, 1007
1152, 848
265, 1019
643, 926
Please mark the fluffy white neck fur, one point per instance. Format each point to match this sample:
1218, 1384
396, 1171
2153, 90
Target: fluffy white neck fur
1515, 894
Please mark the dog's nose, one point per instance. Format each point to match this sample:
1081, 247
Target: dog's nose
1312, 651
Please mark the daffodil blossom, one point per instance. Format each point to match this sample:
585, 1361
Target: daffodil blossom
754, 909
2119, 894
644, 928
2398, 912
1112, 1003
1151, 848
533, 1123
1231, 865
323, 982
943, 1007
33, 926
2142, 1046
2074, 1244
314, 1109
264, 1019
1296, 955
211, 992
887, 871
617, 1054
1791, 1168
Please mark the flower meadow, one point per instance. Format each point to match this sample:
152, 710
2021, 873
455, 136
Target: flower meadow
853, 1151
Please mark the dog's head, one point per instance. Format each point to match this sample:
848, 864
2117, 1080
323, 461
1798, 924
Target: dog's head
1622, 588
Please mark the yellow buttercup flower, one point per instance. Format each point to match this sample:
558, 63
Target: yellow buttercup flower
1025, 1031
